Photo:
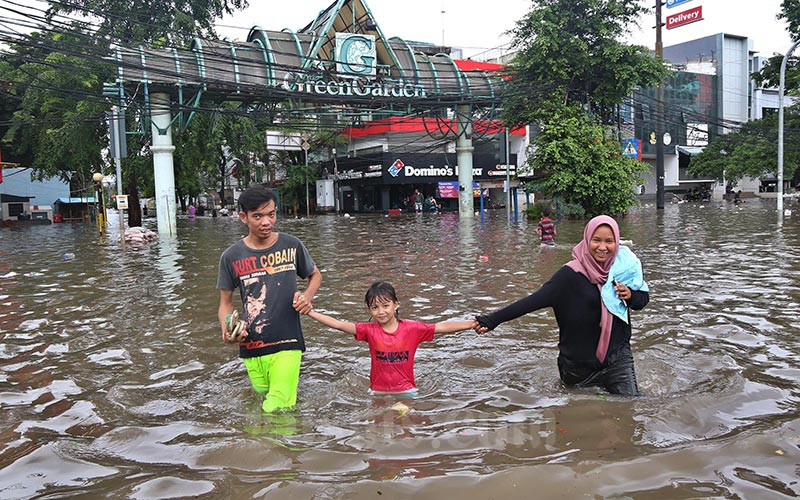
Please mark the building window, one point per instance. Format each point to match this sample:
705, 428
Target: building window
14, 209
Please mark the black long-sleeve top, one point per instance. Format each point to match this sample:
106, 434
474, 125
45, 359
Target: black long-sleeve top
576, 303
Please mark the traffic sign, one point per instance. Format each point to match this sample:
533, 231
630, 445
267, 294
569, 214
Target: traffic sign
122, 201
685, 17
631, 148
673, 3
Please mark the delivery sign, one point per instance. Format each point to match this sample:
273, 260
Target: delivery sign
685, 17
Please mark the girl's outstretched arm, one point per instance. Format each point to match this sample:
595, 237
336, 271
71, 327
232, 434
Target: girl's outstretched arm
455, 326
326, 320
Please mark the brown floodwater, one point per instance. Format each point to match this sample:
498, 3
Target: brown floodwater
114, 383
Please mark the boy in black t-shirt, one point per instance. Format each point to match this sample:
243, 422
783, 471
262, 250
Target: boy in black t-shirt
264, 265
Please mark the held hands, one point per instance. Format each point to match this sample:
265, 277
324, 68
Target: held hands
301, 303
480, 329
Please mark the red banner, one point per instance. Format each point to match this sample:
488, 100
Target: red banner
685, 17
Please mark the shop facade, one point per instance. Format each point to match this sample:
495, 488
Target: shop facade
387, 180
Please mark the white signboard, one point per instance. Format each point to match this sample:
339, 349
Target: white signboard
122, 202
697, 134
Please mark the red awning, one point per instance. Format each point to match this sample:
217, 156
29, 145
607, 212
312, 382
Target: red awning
470, 65
399, 124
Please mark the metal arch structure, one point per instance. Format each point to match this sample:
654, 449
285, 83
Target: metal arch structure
302, 72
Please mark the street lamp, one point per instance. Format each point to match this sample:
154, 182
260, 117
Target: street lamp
101, 217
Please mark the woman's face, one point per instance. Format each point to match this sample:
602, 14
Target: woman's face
602, 245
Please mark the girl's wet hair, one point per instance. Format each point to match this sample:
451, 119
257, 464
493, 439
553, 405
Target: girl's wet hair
380, 290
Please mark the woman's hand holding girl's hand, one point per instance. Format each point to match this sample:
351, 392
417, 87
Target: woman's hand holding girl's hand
480, 329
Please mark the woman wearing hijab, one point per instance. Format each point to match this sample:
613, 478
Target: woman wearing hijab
591, 297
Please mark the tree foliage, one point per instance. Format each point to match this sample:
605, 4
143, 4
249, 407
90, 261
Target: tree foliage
769, 75
570, 53
582, 164
570, 74
155, 22
751, 151
54, 128
56, 109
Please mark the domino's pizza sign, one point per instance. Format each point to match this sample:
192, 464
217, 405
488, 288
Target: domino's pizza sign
396, 167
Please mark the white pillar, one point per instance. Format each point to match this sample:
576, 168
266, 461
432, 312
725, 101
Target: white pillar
163, 172
466, 202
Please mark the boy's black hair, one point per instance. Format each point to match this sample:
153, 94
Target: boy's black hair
380, 290
255, 196
546, 212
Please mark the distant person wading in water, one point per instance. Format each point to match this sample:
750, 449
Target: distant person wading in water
591, 297
546, 228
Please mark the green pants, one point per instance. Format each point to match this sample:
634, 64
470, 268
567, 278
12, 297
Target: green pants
275, 376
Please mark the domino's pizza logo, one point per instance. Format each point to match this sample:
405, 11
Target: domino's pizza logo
396, 167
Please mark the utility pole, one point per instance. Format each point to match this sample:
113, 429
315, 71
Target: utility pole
659, 115
305, 145
508, 177
781, 90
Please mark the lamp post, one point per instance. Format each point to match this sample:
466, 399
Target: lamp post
781, 90
101, 217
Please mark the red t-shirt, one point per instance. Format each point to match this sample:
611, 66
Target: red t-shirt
392, 354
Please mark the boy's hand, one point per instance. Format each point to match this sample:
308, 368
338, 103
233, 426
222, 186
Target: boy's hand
231, 338
235, 330
301, 304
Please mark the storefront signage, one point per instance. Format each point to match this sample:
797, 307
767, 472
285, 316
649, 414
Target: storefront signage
501, 170
450, 189
359, 87
685, 17
416, 168
355, 54
445, 171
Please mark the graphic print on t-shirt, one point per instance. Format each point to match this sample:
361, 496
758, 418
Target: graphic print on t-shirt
391, 356
256, 305
270, 263
251, 271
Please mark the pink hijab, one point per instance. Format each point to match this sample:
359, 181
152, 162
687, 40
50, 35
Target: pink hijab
582, 262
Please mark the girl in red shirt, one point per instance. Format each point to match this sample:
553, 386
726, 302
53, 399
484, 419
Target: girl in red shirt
392, 341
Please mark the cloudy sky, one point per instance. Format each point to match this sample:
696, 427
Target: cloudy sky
479, 26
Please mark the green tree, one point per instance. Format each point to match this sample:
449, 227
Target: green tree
153, 22
572, 68
751, 151
54, 128
569, 52
582, 164
769, 75
58, 125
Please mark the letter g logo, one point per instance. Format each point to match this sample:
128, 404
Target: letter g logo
355, 54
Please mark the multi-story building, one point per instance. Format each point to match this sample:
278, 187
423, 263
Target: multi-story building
712, 92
